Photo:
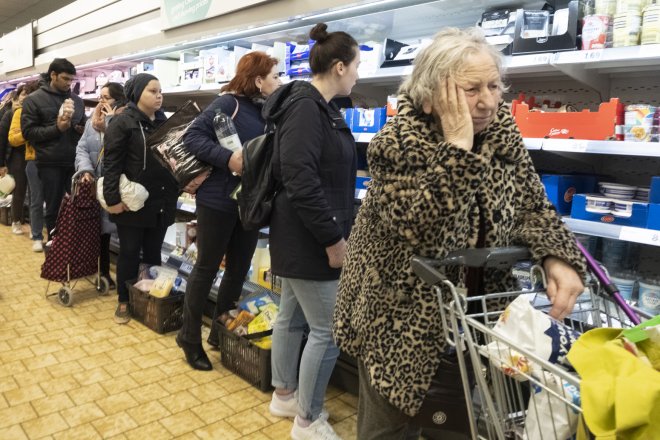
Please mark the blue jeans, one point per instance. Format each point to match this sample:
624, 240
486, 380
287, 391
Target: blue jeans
36, 201
305, 304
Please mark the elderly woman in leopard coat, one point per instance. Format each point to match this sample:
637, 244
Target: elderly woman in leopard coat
449, 172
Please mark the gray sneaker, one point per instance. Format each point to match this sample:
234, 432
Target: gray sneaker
122, 315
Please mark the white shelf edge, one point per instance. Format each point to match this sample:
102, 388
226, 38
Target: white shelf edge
533, 144
623, 148
363, 137
618, 232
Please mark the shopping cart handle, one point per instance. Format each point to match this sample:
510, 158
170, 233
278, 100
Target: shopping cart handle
500, 258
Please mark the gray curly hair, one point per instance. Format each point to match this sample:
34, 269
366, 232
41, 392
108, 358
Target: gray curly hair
445, 57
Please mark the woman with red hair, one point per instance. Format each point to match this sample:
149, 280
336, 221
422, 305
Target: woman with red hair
219, 230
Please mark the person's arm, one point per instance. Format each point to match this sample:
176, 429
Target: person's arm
117, 137
34, 129
200, 138
300, 147
83, 160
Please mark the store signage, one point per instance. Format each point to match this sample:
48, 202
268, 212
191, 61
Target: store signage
17, 49
176, 13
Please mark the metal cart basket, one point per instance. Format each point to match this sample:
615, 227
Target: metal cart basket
509, 401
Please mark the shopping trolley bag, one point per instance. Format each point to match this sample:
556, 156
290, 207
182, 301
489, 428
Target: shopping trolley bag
75, 246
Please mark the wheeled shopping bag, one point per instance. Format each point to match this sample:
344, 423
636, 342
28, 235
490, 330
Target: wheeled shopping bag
74, 252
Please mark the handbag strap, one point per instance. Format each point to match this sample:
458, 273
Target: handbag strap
144, 141
233, 115
98, 159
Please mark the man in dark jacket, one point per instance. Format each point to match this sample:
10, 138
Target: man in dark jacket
53, 133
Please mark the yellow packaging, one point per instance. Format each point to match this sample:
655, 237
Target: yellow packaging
651, 25
263, 322
626, 29
161, 287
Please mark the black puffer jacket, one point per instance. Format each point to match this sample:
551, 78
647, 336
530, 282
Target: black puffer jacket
315, 161
126, 153
39, 126
5, 148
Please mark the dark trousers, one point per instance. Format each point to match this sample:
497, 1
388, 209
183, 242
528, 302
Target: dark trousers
218, 234
16, 168
378, 419
55, 182
132, 240
105, 255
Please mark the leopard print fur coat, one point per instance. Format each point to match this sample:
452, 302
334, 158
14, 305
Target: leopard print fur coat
424, 199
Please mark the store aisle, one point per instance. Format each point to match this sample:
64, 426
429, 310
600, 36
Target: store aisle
72, 373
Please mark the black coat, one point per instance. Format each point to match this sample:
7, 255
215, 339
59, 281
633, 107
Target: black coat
126, 153
5, 124
39, 126
315, 162
200, 139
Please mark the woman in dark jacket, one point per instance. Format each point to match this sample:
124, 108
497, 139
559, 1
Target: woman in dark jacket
315, 162
126, 153
219, 230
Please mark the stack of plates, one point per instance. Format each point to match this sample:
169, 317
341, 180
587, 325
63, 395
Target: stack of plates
617, 190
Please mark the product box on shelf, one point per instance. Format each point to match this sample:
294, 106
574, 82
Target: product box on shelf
561, 188
599, 125
642, 215
533, 34
368, 120
654, 191
161, 315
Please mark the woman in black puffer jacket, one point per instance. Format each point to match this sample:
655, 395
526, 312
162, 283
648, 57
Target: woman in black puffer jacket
126, 152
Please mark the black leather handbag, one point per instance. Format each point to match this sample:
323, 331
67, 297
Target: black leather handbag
444, 409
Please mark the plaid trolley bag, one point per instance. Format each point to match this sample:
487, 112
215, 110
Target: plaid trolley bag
75, 248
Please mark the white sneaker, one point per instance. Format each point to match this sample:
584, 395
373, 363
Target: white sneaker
283, 408
16, 228
319, 430
289, 408
37, 246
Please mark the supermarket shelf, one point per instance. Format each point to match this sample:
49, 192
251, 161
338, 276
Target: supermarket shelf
605, 230
363, 137
648, 149
533, 143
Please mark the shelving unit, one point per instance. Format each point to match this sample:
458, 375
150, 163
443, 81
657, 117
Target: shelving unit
605, 230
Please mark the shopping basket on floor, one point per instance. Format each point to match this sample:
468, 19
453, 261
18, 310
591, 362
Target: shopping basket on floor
514, 402
75, 248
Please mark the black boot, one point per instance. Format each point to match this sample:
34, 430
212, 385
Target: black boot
213, 339
195, 355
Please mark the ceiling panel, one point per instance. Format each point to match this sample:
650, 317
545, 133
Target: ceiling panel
17, 13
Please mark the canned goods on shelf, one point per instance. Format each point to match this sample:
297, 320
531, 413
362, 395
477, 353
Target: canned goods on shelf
626, 29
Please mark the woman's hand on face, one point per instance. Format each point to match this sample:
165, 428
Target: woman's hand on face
108, 109
564, 286
452, 110
117, 209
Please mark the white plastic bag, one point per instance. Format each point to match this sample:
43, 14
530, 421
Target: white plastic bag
132, 193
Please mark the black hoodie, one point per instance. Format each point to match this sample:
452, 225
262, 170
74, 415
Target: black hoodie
315, 161
39, 126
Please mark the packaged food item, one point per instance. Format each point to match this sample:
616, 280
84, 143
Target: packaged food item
533, 331
596, 32
163, 281
243, 319
651, 25
639, 122
605, 7
547, 410
626, 29
255, 302
263, 322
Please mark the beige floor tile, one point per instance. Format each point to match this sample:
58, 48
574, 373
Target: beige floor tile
264, 411
95, 361
350, 399
92, 376
240, 400
218, 430
14, 432
213, 411
45, 425
53, 403
149, 412
114, 425
149, 360
16, 354
233, 383
255, 436
102, 335
122, 368
3, 403
202, 377
59, 385
82, 414
24, 394
148, 393
45, 361
182, 423
98, 347
278, 431
53, 336
117, 403
178, 383
347, 428
88, 393
4, 345
33, 377
176, 367
152, 431
12, 368
119, 384
173, 354
123, 353
147, 376
7, 383
149, 345
70, 354
247, 422
65, 368
339, 410
82, 432
46, 347
209, 391
124, 340
180, 401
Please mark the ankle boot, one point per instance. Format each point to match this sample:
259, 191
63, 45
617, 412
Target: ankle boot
195, 355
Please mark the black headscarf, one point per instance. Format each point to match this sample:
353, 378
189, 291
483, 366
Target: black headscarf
135, 86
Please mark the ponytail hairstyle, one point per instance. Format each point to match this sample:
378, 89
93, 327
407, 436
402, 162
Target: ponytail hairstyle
330, 48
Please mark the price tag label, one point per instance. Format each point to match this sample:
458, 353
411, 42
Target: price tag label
639, 235
569, 145
541, 58
186, 268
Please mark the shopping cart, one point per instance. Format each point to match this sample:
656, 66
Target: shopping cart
511, 401
74, 252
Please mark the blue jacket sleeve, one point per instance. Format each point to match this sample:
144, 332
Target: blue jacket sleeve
200, 138
83, 159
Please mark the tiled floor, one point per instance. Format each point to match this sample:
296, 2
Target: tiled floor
72, 373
